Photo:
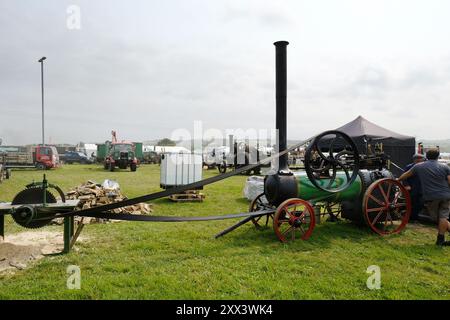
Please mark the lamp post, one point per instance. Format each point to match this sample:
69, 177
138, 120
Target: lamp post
41, 60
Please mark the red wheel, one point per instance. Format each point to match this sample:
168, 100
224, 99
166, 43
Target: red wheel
260, 203
386, 206
293, 219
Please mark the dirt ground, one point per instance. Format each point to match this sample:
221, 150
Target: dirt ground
21, 250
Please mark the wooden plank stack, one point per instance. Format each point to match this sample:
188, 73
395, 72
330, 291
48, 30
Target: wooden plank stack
188, 196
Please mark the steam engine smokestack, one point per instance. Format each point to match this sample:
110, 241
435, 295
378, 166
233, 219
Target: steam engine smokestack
282, 185
280, 95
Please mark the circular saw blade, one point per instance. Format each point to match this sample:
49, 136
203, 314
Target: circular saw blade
33, 195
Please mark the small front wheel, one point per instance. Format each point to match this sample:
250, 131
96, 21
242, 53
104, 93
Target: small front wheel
222, 167
293, 219
40, 166
258, 204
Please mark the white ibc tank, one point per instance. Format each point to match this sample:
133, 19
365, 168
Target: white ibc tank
179, 169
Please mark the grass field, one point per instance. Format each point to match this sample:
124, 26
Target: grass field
132, 260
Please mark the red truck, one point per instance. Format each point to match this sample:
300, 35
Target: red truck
41, 157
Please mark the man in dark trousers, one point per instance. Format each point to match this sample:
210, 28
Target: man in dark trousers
412, 184
435, 180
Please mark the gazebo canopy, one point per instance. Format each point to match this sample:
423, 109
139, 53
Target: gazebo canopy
361, 129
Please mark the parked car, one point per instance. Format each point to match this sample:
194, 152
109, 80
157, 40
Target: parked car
75, 157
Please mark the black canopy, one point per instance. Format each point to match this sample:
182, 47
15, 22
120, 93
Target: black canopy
398, 147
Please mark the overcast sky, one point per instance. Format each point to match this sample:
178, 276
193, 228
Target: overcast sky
145, 68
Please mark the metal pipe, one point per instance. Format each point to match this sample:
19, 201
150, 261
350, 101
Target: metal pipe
280, 95
41, 61
235, 226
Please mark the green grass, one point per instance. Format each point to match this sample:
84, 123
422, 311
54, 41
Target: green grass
183, 260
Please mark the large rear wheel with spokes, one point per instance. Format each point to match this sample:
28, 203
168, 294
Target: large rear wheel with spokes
386, 206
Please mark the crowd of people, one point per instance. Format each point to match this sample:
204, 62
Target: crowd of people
428, 182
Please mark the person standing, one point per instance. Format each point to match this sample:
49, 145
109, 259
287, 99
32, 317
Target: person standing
435, 181
412, 184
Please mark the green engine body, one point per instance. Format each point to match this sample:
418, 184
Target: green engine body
307, 191
279, 188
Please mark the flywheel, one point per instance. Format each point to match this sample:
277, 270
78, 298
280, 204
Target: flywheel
33, 195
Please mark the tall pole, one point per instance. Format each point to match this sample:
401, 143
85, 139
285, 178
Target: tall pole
41, 60
280, 96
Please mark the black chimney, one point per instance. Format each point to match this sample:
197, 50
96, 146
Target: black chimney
282, 185
280, 94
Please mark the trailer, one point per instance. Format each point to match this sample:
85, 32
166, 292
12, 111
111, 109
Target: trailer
138, 150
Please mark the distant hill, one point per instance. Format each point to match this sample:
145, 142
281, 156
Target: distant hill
444, 145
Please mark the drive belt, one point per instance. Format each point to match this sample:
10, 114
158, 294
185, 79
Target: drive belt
132, 217
97, 211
